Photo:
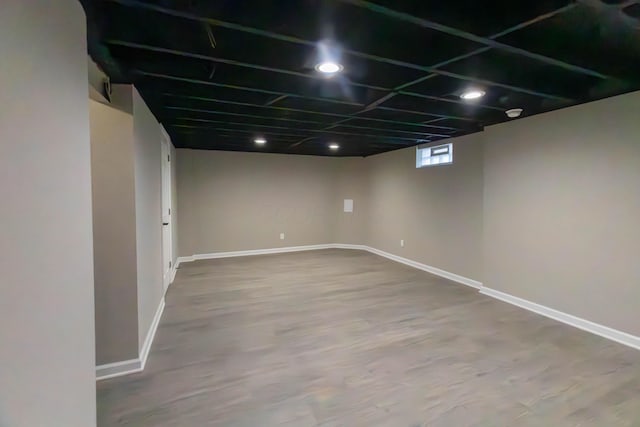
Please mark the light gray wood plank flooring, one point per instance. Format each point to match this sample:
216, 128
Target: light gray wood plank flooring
346, 338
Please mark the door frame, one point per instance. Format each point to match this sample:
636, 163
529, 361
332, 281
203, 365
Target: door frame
166, 202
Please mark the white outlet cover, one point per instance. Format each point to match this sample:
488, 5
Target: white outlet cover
402, 243
281, 236
348, 205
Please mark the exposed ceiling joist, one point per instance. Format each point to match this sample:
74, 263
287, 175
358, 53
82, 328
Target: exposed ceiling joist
244, 88
425, 23
251, 70
321, 131
316, 77
322, 113
227, 113
509, 30
291, 39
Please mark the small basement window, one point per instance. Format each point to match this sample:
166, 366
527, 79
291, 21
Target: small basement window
432, 156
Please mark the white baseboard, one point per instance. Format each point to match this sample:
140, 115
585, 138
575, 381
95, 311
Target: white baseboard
252, 252
586, 325
117, 369
126, 367
424, 267
151, 334
172, 276
182, 259
348, 246
415, 264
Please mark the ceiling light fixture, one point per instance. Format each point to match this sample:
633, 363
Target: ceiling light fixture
334, 146
514, 112
472, 94
260, 141
329, 67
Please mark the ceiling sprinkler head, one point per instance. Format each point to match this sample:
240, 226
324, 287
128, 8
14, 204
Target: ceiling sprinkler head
514, 112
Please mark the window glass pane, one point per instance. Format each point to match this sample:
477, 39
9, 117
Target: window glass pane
438, 155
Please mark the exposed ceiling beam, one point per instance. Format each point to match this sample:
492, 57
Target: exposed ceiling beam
313, 44
379, 101
225, 113
504, 32
201, 127
442, 116
535, 20
430, 134
452, 101
276, 99
502, 85
288, 72
248, 89
331, 100
398, 89
269, 133
433, 120
425, 23
229, 113
308, 130
175, 52
322, 113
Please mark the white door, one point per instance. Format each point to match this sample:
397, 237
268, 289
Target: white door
166, 211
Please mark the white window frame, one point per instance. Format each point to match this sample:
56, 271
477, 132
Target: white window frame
437, 155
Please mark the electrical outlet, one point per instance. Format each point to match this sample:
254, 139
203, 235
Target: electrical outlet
402, 243
281, 236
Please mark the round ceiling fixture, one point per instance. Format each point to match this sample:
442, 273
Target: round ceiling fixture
472, 94
329, 67
334, 146
514, 112
260, 141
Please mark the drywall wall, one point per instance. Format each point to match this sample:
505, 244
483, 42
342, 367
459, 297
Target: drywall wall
437, 211
47, 374
562, 210
351, 179
127, 171
148, 204
241, 201
544, 208
114, 234
232, 201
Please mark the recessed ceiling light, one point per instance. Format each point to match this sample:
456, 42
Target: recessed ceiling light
329, 67
472, 94
260, 141
334, 146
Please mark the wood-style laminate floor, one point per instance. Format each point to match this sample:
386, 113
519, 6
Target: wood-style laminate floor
346, 338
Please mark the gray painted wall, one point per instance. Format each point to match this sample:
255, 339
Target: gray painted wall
351, 181
148, 202
47, 375
114, 234
126, 162
237, 201
437, 211
544, 208
562, 210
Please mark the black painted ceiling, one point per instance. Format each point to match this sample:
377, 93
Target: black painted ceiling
217, 74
